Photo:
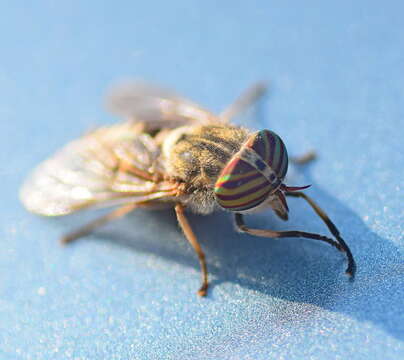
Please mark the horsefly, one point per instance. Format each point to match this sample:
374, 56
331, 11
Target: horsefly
170, 151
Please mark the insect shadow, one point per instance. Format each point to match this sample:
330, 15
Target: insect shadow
297, 270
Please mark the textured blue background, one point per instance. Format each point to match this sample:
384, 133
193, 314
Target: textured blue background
337, 85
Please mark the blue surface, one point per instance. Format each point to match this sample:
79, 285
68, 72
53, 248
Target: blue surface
337, 85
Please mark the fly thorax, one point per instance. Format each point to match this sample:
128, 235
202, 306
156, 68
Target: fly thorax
198, 154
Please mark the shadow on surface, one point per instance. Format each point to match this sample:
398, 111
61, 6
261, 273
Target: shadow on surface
297, 270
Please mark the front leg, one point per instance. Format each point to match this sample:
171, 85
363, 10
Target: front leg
351, 269
240, 225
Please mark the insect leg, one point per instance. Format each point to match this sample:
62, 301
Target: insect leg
304, 159
90, 227
251, 95
340, 245
189, 234
281, 234
333, 229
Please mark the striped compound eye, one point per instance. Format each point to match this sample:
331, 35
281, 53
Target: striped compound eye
252, 174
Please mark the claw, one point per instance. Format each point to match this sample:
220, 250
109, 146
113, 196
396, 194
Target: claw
203, 290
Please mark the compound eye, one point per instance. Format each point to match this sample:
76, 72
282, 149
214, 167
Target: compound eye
252, 174
271, 151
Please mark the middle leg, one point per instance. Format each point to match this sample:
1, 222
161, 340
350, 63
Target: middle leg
189, 234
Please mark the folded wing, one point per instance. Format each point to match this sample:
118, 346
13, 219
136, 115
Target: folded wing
87, 172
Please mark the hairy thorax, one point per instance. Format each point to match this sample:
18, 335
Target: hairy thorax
196, 155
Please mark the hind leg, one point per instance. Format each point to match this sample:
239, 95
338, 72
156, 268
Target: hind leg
304, 159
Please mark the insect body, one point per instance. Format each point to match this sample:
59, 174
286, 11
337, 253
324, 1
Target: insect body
171, 152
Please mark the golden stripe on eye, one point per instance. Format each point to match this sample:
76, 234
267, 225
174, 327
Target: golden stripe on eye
246, 198
277, 153
266, 146
239, 189
232, 177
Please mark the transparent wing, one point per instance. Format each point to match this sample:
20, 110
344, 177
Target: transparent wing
157, 107
88, 172
248, 108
